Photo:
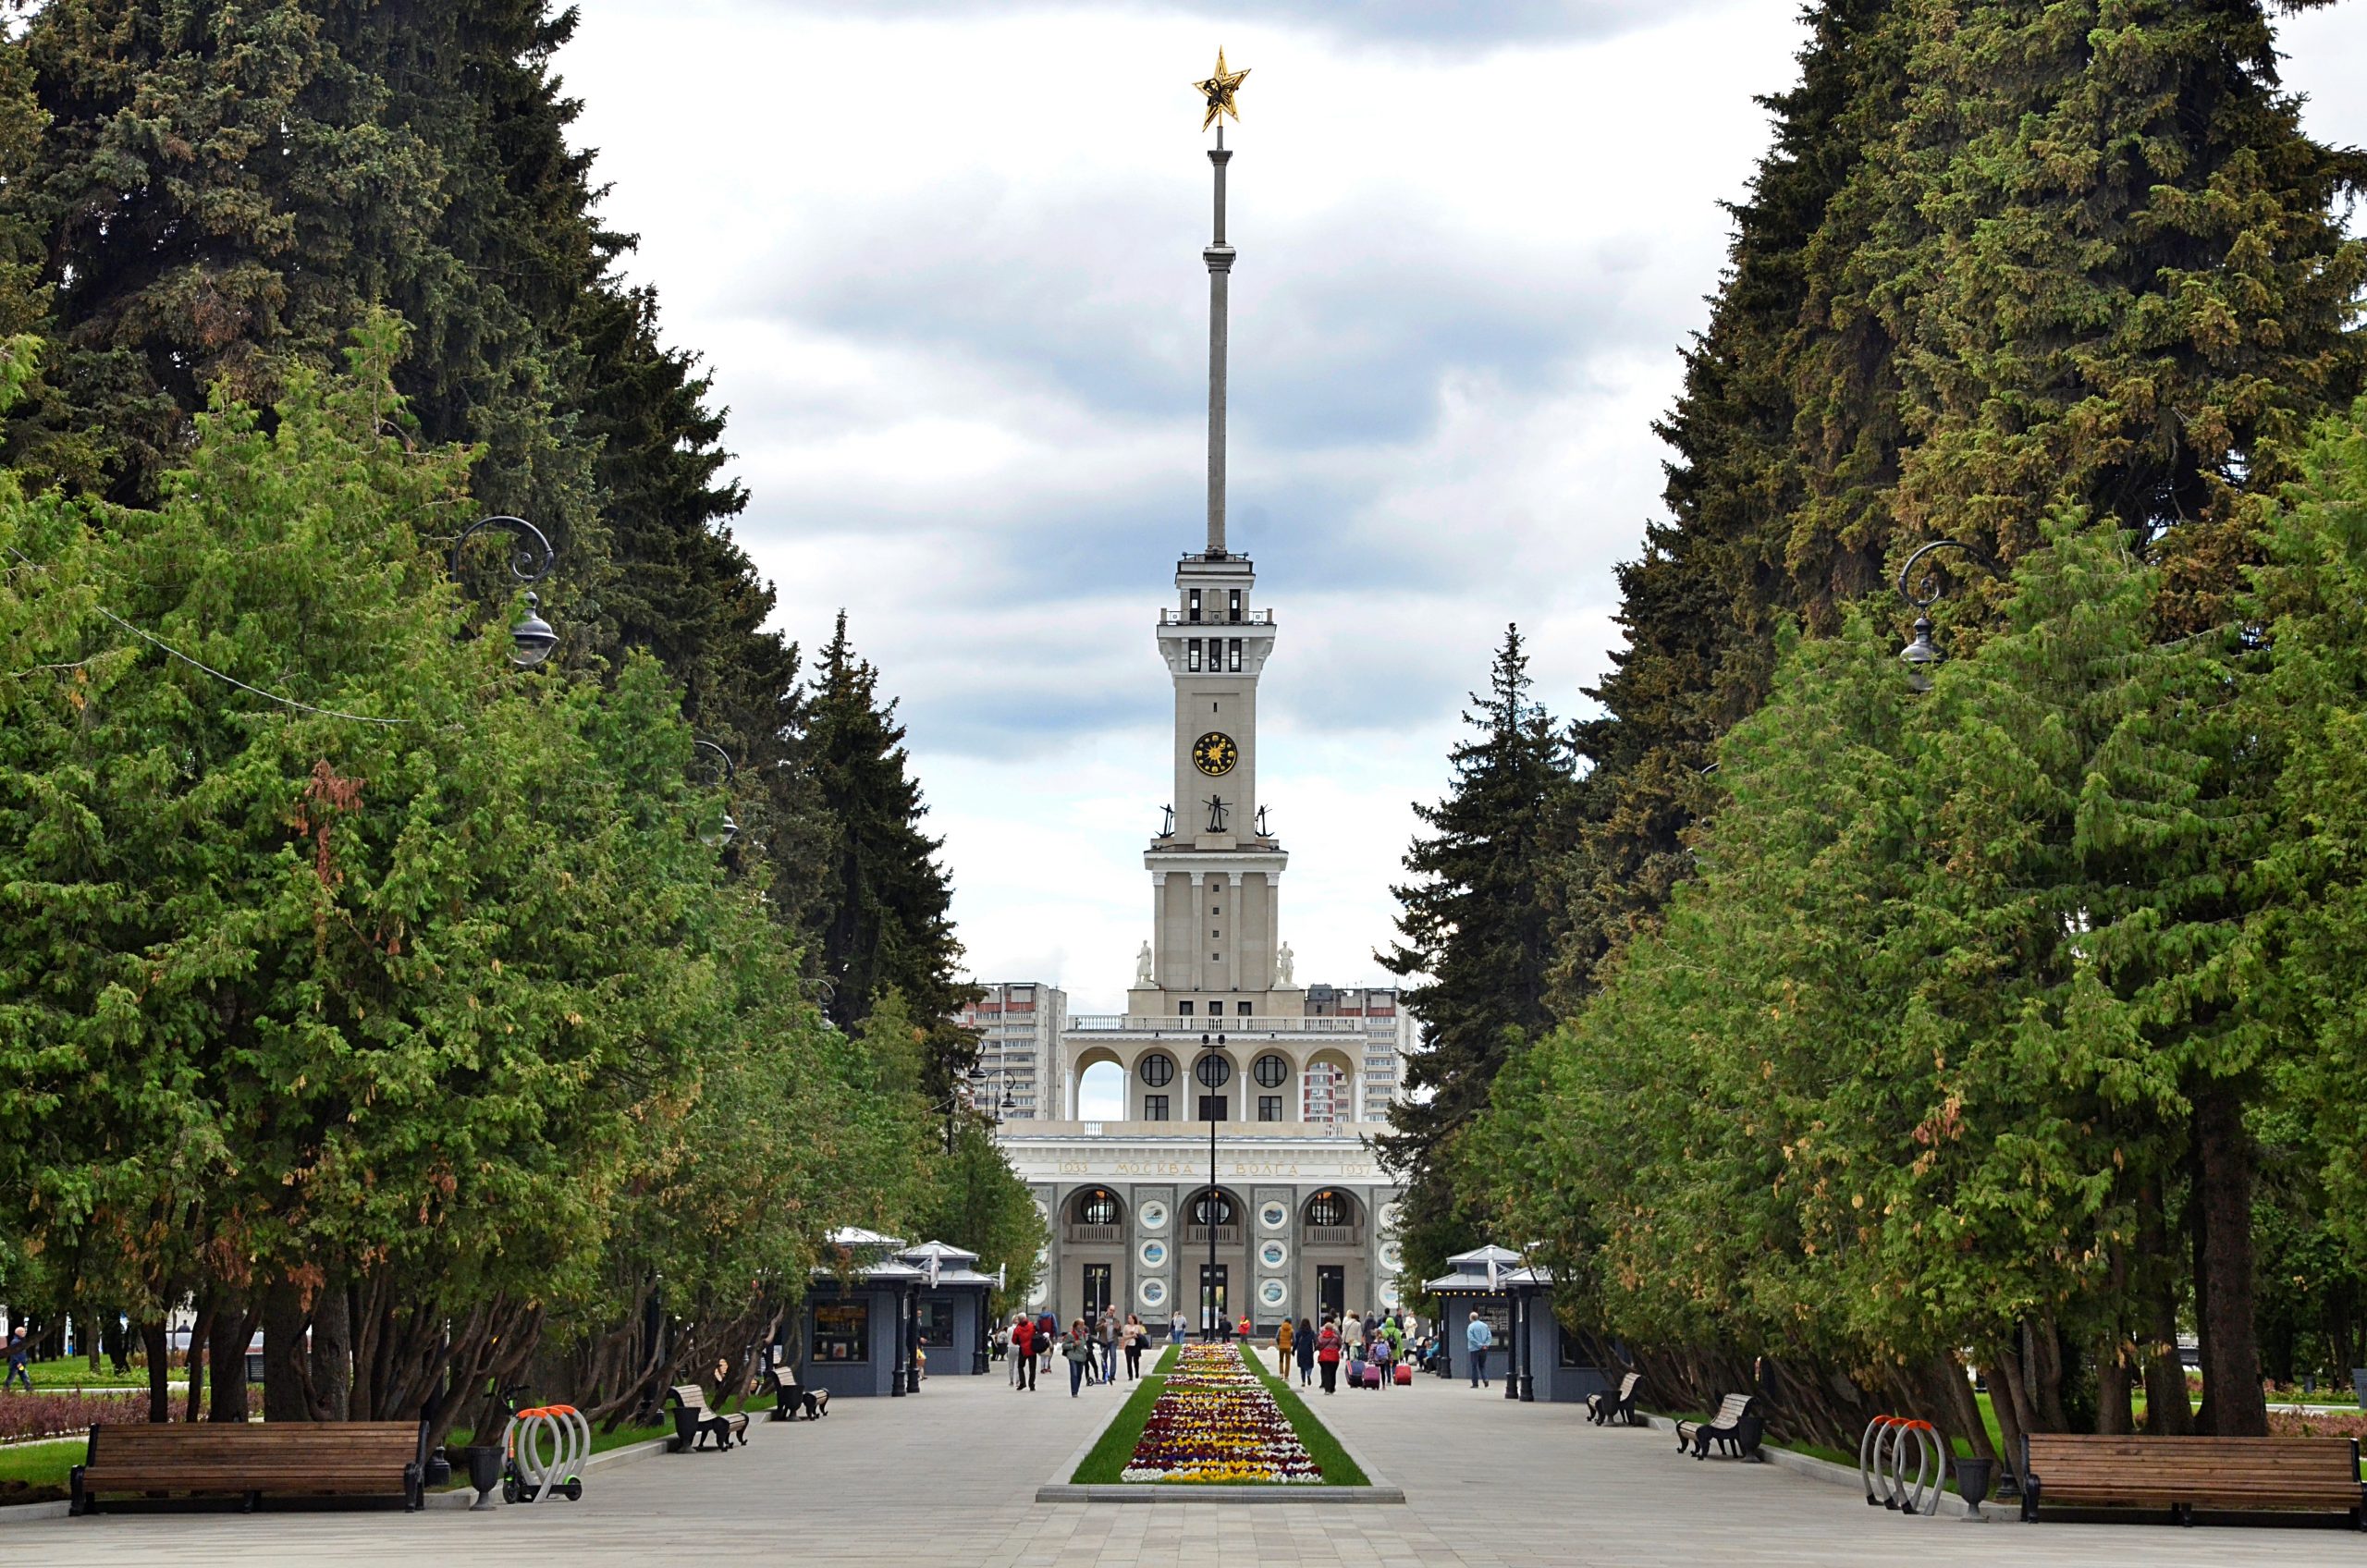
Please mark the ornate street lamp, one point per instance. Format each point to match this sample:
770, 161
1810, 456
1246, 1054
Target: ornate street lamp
1921, 652
530, 562
723, 832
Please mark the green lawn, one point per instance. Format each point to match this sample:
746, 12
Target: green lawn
66, 1375
1117, 1444
36, 1471
1339, 1470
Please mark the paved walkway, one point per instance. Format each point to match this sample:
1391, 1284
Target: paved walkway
950, 1477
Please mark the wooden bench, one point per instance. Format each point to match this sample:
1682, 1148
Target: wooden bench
235, 1459
1606, 1406
1737, 1427
791, 1400
693, 1419
2181, 1474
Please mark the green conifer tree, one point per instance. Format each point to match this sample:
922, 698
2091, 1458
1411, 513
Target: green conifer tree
1475, 939
883, 911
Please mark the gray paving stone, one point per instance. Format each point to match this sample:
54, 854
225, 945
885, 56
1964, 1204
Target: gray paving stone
948, 1478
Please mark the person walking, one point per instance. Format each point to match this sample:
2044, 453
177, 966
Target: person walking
1352, 1336
20, 1352
1177, 1327
1303, 1342
1394, 1332
1131, 1337
1283, 1349
1105, 1333
1079, 1350
1381, 1359
1476, 1338
1047, 1333
1327, 1353
1023, 1352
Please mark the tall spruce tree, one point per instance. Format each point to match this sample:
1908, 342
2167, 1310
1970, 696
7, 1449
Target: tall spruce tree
1475, 939
1783, 447
883, 909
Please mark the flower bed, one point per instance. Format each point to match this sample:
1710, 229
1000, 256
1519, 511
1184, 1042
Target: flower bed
25, 1417
1216, 1424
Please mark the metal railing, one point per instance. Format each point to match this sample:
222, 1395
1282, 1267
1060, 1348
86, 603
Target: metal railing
1335, 1236
1172, 617
1197, 1235
1096, 1236
1150, 1022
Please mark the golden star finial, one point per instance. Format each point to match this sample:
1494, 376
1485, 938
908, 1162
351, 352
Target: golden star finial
1219, 90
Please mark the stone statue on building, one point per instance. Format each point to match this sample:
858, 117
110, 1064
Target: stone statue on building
1283, 960
1143, 980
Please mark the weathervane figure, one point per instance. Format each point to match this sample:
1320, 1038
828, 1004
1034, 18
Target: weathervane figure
1219, 90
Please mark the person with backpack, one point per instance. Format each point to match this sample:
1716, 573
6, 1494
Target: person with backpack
1047, 1333
1303, 1342
1327, 1355
1383, 1357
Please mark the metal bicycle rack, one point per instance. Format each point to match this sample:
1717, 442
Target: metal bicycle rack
545, 1447
1902, 1463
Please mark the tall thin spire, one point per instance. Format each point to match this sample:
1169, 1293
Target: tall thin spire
1217, 93
1218, 255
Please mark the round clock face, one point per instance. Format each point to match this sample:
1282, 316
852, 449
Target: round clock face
1214, 753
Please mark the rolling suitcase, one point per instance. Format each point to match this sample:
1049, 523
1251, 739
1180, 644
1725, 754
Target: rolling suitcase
1356, 1372
1405, 1375
1372, 1375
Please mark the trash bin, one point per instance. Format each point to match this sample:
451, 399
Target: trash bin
2358, 1385
1973, 1481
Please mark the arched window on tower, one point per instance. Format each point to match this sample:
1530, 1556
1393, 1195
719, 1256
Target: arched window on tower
1203, 1202
1328, 1208
1097, 1205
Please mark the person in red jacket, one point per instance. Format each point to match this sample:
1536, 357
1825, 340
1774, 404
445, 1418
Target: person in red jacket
1327, 1353
1023, 1354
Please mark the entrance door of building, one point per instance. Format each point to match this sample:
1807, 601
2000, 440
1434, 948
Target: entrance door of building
1096, 1291
1331, 1290
1212, 1295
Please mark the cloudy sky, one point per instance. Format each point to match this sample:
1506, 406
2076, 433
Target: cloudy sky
943, 258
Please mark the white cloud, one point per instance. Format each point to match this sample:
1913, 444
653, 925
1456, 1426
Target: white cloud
943, 258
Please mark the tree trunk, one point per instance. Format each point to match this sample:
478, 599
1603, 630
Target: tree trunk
200, 1334
227, 1350
283, 1319
157, 1342
2233, 1404
2004, 1373
2115, 1380
330, 1382
1959, 1408
2167, 1412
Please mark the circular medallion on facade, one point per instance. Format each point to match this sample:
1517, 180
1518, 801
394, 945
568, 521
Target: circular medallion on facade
1154, 1255
1273, 1214
1214, 753
1272, 1293
1273, 1254
1152, 1213
1152, 1293
1389, 1255
1388, 1217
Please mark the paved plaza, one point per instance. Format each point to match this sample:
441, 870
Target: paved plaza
950, 1479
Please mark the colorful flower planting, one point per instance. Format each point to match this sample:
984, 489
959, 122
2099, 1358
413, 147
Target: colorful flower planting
1216, 1424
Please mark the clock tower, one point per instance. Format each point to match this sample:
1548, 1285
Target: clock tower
1216, 870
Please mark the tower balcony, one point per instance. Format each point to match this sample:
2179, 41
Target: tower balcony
1171, 615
